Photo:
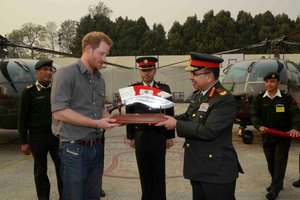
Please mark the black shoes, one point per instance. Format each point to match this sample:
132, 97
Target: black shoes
102, 193
297, 183
268, 189
272, 195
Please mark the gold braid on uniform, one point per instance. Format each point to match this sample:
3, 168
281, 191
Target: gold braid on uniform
29, 86
221, 92
135, 83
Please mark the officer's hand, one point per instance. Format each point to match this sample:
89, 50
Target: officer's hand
263, 129
170, 143
25, 148
132, 143
294, 133
170, 123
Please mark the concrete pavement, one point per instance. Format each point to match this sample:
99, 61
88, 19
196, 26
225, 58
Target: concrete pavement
121, 181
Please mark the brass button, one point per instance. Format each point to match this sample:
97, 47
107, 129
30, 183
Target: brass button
187, 145
210, 156
194, 115
201, 116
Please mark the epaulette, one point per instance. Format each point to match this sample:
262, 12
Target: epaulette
29, 86
221, 91
161, 83
135, 83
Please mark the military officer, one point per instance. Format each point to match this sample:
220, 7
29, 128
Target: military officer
277, 110
150, 142
35, 128
210, 160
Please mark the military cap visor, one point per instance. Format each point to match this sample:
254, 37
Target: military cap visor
200, 61
42, 63
272, 75
146, 62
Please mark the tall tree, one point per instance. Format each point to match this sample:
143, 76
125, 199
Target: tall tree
191, 34
175, 42
51, 35
66, 35
244, 30
30, 35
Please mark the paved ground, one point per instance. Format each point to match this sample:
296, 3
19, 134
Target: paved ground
121, 181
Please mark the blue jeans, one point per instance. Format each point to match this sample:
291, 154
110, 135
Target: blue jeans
81, 168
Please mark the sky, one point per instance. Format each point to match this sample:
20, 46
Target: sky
15, 13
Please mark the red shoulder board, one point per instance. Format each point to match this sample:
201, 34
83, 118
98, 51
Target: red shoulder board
212, 92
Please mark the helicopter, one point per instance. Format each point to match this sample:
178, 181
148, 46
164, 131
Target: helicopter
245, 79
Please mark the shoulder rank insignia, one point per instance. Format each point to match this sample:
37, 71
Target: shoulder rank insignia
161, 83
221, 91
29, 86
135, 83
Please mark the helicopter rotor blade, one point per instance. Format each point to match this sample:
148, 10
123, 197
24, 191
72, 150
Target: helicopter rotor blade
261, 44
291, 43
117, 65
4, 42
168, 65
293, 36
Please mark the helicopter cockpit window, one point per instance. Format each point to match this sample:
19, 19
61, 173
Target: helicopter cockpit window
262, 67
237, 72
294, 74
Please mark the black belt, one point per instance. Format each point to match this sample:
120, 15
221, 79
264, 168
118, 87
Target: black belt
89, 143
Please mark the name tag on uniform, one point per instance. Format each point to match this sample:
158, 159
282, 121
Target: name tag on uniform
279, 108
204, 107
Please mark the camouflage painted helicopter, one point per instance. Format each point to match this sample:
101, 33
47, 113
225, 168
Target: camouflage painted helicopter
245, 79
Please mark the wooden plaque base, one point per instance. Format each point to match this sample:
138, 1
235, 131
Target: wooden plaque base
137, 118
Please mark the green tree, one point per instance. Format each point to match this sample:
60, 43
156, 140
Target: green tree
191, 34
175, 39
154, 41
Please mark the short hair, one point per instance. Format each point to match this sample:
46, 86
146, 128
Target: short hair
215, 72
94, 39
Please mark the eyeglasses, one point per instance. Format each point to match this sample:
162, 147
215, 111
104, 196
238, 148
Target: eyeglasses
198, 74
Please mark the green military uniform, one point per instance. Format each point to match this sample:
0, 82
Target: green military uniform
35, 114
281, 113
207, 128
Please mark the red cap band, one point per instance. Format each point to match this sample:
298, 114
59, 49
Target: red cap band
149, 63
198, 63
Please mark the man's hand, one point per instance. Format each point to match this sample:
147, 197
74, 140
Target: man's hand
25, 148
106, 123
170, 142
170, 123
132, 143
263, 129
294, 133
